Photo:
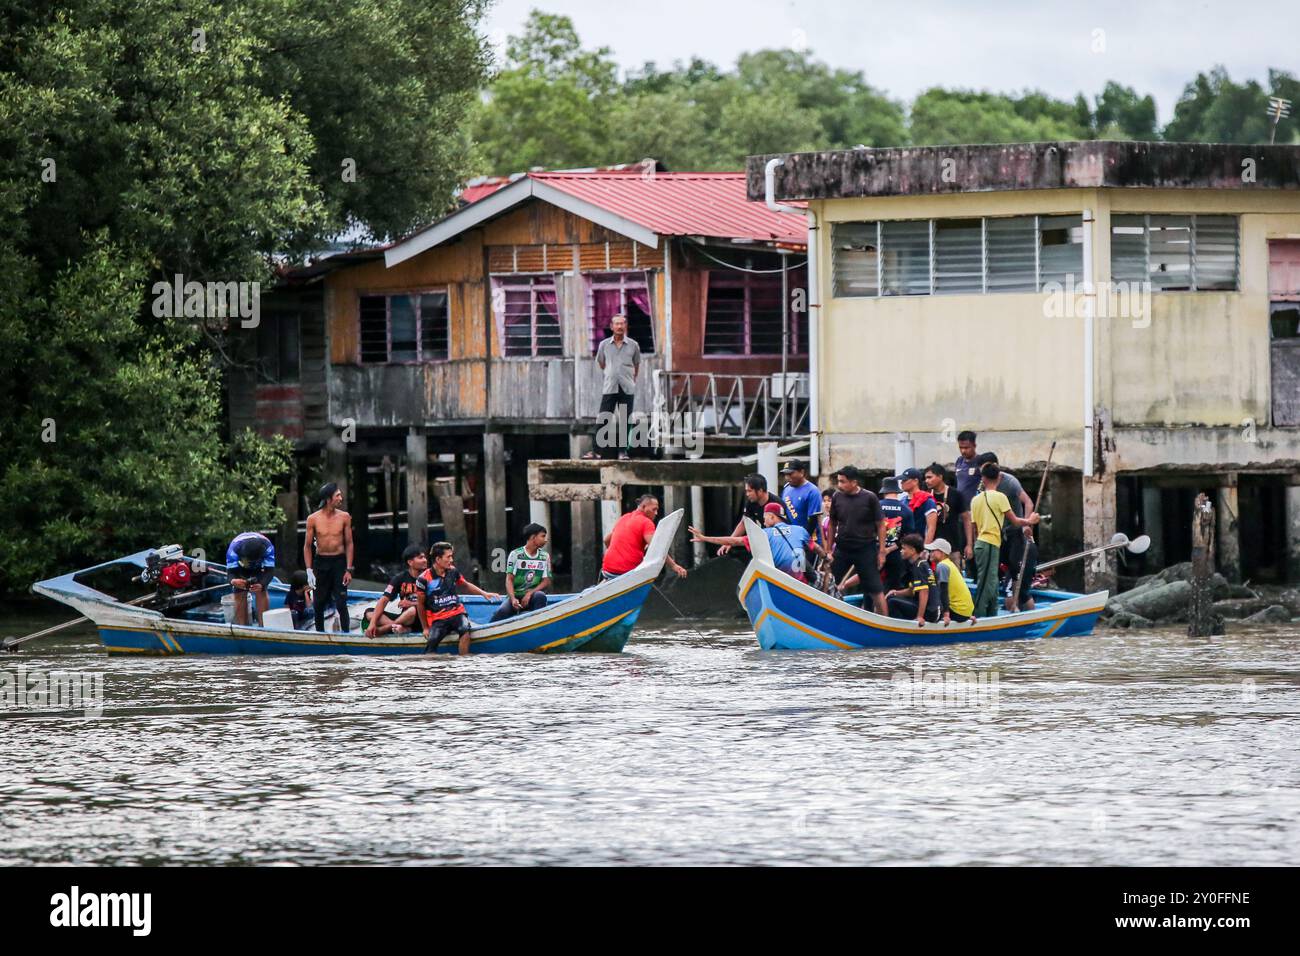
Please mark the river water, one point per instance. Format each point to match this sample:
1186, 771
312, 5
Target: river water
693, 747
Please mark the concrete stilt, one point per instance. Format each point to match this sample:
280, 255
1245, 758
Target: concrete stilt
494, 495
1098, 529
678, 496
539, 512
1153, 524
697, 519
336, 469
417, 487
1293, 534
1228, 534
585, 549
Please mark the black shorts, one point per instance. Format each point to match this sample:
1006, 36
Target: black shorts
441, 628
262, 577
862, 557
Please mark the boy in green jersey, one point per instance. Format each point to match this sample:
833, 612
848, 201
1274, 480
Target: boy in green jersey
528, 575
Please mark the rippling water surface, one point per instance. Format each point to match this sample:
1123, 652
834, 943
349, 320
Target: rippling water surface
693, 747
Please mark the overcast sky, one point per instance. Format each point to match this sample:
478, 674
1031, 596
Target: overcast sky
1155, 46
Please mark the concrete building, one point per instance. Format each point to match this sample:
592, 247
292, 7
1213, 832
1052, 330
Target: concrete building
1138, 303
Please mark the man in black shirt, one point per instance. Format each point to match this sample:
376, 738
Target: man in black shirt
857, 535
954, 512
757, 498
402, 589
916, 599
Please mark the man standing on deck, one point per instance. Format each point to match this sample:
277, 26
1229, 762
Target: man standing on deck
954, 513
629, 539
1015, 547
988, 510
757, 498
802, 500
857, 536
327, 555
924, 507
966, 470
619, 359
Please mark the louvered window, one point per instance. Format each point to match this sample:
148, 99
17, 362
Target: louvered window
412, 327
855, 258
959, 255
1175, 253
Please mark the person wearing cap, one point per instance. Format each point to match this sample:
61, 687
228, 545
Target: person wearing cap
403, 589
789, 543
954, 600
857, 536
802, 500
915, 599
327, 555
250, 565
896, 514
923, 504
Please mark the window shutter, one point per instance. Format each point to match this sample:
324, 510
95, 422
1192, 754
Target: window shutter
958, 256
905, 247
854, 254
1170, 252
1060, 253
374, 328
1214, 249
434, 326
1128, 249
1012, 248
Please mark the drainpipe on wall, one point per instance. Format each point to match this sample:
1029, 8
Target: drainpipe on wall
814, 309
1089, 298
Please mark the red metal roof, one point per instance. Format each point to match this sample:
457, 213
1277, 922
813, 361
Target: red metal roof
683, 204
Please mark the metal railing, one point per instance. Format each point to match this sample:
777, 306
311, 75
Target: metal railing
739, 406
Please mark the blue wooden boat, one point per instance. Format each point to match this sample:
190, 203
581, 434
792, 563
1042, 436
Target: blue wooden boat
599, 619
790, 615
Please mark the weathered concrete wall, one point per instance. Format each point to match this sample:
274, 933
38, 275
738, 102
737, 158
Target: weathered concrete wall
904, 171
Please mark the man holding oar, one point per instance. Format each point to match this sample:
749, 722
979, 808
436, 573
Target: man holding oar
989, 509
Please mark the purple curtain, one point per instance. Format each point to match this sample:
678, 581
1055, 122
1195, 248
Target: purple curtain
606, 303
640, 298
546, 302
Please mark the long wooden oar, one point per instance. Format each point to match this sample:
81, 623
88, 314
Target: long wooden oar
1024, 557
1135, 546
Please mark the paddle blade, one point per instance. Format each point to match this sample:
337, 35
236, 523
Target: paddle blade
1118, 539
1139, 544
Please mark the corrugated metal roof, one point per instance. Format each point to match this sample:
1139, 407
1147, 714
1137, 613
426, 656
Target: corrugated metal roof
682, 204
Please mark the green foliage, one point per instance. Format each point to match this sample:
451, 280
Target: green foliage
961, 116
133, 148
1214, 109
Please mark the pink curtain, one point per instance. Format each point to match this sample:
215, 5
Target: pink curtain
546, 302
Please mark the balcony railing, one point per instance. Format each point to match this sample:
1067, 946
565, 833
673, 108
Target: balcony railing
738, 406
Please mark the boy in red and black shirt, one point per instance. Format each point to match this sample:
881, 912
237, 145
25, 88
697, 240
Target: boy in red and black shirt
438, 605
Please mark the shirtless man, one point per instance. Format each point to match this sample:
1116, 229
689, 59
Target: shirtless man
329, 562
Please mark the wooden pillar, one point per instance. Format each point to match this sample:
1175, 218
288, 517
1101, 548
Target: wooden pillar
359, 507
678, 496
585, 547
1293, 534
417, 487
1153, 523
1098, 529
452, 510
494, 494
1200, 616
288, 557
1228, 532
336, 469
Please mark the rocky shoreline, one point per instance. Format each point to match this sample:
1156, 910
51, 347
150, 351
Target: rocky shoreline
1165, 598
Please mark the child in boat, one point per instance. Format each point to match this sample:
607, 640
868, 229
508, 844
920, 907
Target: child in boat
401, 595
438, 606
916, 600
296, 602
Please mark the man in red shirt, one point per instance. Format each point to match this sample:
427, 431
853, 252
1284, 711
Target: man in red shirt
626, 544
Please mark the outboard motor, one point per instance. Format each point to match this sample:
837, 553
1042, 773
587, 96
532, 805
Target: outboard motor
175, 579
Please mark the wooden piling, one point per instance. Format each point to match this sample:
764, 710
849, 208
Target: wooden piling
1201, 619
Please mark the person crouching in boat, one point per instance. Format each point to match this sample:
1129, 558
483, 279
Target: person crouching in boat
528, 575
250, 564
296, 601
955, 602
916, 599
438, 606
790, 543
629, 539
402, 589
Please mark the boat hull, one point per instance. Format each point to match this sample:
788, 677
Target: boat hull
599, 619
789, 615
